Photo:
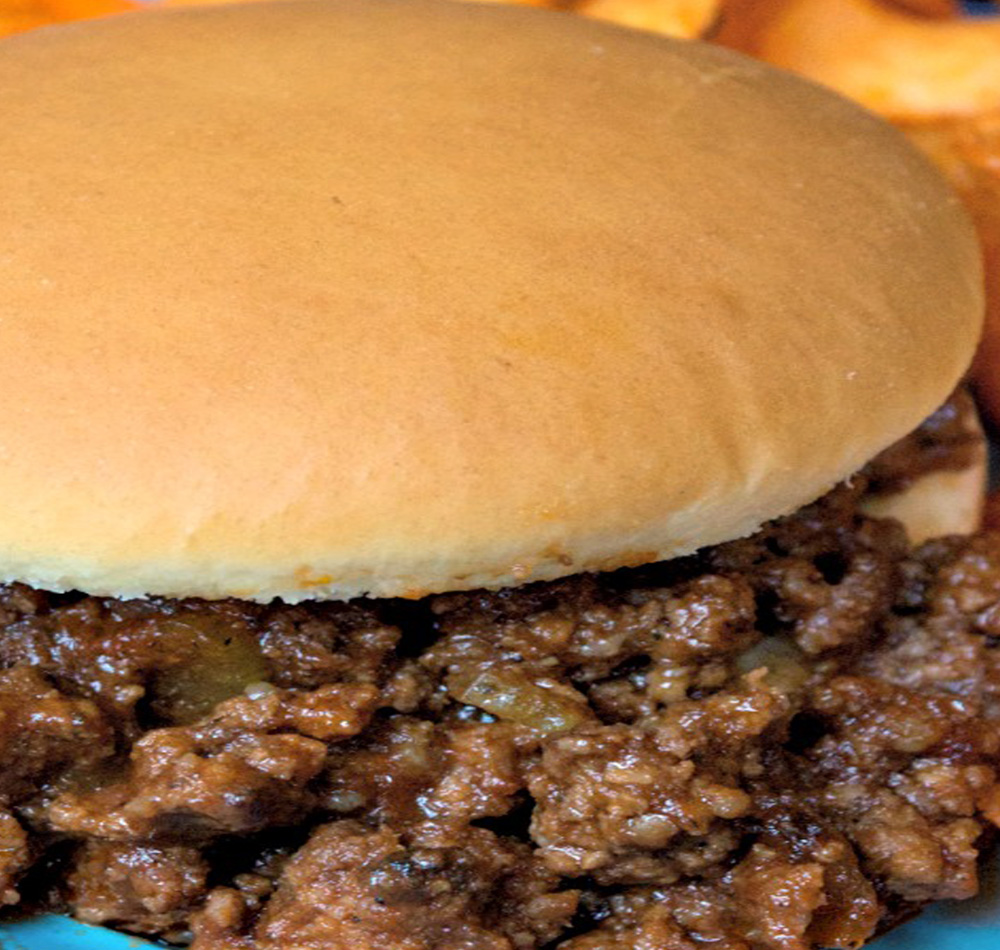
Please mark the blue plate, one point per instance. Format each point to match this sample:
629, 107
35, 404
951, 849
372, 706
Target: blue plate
966, 925
60, 933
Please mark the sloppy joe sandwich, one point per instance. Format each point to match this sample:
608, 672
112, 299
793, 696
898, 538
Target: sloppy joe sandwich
444, 490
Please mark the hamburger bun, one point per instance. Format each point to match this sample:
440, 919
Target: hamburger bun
517, 303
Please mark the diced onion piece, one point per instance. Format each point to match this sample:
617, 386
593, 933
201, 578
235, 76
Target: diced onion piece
509, 694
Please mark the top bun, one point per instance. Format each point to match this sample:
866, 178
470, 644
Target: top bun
319, 299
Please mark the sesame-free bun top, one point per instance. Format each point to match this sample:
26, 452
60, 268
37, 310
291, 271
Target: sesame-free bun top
318, 299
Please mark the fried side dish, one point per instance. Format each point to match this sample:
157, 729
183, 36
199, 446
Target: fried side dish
897, 63
685, 19
783, 743
19, 15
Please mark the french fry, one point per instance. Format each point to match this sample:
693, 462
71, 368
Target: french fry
522, 3
898, 64
683, 18
978, 146
19, 15
191, 3
938, 9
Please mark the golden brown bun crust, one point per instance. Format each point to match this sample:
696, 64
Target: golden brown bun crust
317, 299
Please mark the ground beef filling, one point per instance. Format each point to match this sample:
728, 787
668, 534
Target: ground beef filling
946, 440
785, 742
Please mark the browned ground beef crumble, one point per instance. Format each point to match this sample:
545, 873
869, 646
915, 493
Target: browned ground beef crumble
784, 742
944, 440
